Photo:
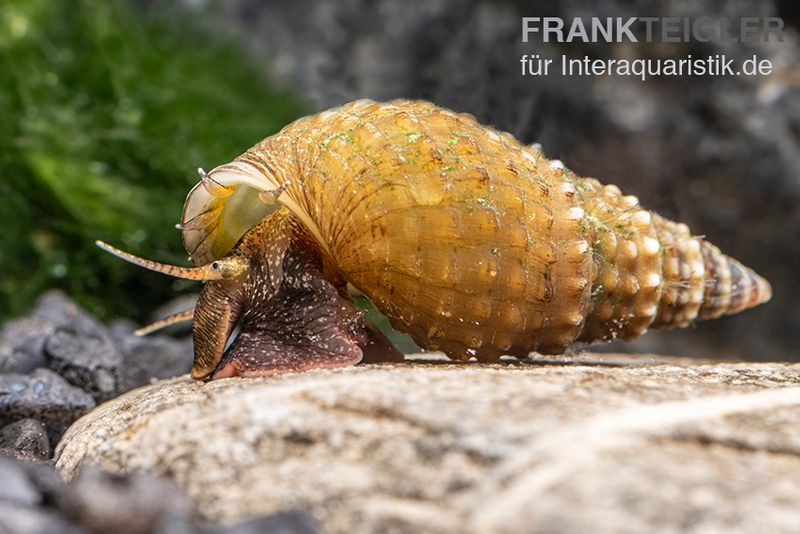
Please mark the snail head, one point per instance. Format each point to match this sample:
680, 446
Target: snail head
218, 309
293, 313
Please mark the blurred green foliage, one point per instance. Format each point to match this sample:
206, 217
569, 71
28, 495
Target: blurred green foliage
105, 113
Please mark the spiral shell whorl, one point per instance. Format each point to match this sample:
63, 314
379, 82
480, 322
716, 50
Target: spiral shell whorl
653, 273
734, 287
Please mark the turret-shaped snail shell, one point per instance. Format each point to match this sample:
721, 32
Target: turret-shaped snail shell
469, 241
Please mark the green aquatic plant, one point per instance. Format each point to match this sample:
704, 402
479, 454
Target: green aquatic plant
105, 112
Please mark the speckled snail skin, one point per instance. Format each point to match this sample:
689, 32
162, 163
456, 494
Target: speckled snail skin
469, 241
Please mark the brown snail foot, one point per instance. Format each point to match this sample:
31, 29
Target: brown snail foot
377, 348
306, 324
258, 353
277, 338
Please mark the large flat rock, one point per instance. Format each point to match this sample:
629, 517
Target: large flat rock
596, 443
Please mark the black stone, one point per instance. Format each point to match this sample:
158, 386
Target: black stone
46, 480
57, 309
22, 344
22, 341
13, 360
34, 498
27, 494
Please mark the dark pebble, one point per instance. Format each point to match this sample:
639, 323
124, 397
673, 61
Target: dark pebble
46, 480
289, 522
126, 504
157, 356
92, 362
56, 309
21, 345
16, 486
18, 361
27, 494
34, 499
15, 519
44, 396
27, 438
22, 341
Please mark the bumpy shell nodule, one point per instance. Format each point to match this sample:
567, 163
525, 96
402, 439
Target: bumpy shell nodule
469, 241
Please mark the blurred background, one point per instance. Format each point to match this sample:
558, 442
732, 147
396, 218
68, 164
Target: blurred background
108, 107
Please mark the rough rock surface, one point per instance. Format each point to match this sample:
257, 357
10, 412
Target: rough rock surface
593, 443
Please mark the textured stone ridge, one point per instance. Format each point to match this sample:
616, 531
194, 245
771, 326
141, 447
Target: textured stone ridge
600, 443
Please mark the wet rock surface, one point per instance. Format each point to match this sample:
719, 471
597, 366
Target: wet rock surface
590, 443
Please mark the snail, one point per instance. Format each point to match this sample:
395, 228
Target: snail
469, 241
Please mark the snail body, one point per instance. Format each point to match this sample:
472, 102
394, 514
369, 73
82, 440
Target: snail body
469, 241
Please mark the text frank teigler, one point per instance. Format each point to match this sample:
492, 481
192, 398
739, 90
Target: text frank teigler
767, 30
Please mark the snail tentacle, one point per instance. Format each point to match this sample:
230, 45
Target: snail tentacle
185, 315
204, 272
218, 269
213, 186
271, 196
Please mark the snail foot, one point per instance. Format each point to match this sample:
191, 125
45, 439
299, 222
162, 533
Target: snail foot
307, 324
377, 348
262, 352
255, 353
300, 328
